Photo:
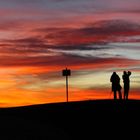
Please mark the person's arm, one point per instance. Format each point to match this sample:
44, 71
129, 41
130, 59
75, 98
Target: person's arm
129, 73
111, 79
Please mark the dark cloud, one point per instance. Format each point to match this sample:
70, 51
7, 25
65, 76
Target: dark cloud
25, 45
88, 46
63, 60
31, 40
30, 51
99, 32
115, 26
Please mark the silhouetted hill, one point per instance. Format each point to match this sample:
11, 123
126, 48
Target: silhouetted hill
95, 119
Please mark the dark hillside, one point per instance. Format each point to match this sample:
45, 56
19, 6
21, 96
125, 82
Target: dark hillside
83, 119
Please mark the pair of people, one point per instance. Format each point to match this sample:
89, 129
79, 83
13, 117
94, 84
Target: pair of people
116, 87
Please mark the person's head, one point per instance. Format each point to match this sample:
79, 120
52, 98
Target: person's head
129, 72
114, 73
124, 72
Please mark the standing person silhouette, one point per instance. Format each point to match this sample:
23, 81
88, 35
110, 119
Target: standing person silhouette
126, 82
116, 87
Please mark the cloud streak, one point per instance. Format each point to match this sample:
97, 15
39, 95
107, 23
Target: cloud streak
96, 42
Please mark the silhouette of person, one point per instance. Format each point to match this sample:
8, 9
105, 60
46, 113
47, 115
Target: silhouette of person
126, 82
116, 87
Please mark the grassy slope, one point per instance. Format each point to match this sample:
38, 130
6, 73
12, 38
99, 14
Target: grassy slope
83, 119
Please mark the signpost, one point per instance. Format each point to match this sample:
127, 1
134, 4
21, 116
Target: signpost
66, 72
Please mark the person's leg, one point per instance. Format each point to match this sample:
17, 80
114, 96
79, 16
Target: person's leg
124, 93
120, 94
127, 94
115, 97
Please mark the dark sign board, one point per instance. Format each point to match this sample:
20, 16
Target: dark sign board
66, 72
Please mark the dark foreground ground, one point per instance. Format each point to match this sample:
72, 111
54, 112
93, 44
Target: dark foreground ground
106, 119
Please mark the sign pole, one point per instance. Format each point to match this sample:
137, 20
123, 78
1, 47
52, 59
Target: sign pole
66, 72
67, 87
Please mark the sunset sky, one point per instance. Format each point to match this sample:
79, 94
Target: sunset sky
40, 38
